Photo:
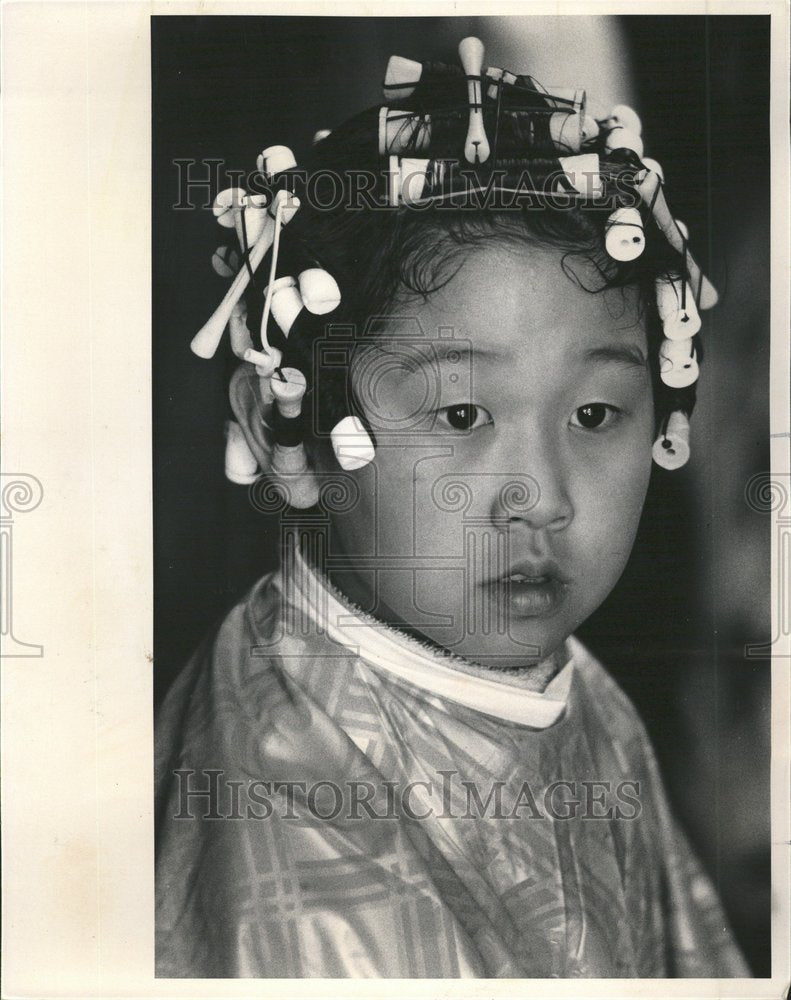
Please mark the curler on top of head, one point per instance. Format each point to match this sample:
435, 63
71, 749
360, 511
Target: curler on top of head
476, 146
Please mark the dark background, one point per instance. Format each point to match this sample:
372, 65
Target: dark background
673, 631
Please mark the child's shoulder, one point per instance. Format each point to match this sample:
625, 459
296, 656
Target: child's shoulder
601, 694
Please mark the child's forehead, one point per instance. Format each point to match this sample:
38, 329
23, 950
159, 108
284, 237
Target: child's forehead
507, 300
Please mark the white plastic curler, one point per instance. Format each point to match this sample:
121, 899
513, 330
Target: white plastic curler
274, 160
623, 138
401, 130
207, 339
393, 181
250, 219
476, 146
565, 130
583, 172
495, 75
321, 135
570, 98
265, 364
671, 449
590, 128
678, 365
227, 205
241, 340
624, 117
225, 262
289, 386
413, 179
286, 304
651, 192
624, 237
401, 71
241, 465
655, 165
351, 443
319, 290
291, 466
677, 310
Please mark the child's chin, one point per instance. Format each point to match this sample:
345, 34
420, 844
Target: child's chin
514, 651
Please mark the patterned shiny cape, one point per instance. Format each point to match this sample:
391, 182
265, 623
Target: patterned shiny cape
500, 877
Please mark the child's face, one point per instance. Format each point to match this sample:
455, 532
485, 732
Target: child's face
563, 412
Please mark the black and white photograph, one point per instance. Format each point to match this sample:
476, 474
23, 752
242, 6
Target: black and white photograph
460, 376
396, 438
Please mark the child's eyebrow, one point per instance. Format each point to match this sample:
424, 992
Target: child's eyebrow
617, 354
450, 353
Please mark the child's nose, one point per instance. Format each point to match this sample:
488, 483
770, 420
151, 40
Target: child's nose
544, 504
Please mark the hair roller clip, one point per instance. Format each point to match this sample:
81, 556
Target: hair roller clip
583, 173
622, 116
274, 160
285, 304
671, 448
241, 465
265, 365
318, 290
241, 340
623, 138
288, 455
401, 77
249, 220
289, 387
352, 444
495, 76
227, 205
225, 262
400, 131
412, 183
571, 98
207, 339
650, 190
406, 77
394, 181
410, 180
590, 129
677, 310
650, 164
678, 364
565, 130
476, 146
624, 237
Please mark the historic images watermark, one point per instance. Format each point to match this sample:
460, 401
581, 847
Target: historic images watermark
448, 184
21, 493
768, 493
213, 794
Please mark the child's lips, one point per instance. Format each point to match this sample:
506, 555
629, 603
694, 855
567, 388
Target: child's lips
530, 590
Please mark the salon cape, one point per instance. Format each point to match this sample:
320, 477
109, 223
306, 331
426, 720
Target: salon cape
427, 881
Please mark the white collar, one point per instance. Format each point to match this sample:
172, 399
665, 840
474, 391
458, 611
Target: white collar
388, 649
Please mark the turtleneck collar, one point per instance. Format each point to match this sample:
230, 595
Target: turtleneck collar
422, 665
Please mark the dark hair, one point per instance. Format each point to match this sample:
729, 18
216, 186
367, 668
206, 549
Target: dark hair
375, 251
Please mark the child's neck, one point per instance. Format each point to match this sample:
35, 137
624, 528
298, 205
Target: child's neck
533, 676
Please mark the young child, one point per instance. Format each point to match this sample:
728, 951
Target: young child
478, 326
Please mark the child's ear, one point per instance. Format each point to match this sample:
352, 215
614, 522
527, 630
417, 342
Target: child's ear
253, 417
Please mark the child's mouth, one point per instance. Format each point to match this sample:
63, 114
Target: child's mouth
529, 594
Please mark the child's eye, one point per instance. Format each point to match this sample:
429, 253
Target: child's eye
464, 416
594, 415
